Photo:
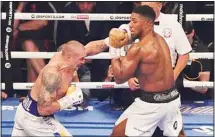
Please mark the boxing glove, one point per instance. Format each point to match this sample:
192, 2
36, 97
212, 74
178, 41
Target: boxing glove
74, 96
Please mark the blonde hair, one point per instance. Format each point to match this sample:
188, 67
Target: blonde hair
71, 46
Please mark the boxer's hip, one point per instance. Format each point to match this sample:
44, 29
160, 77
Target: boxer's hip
30, 106
160, 97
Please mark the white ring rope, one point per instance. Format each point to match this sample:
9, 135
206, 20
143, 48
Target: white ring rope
96, 17
108, 85
104, 55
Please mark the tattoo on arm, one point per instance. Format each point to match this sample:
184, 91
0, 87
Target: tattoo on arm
51, 81
101, 45
44, 99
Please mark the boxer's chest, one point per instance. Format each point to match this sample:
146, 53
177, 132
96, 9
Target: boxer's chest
66, 82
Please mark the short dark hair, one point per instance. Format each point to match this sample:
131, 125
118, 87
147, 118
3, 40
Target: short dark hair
145, 11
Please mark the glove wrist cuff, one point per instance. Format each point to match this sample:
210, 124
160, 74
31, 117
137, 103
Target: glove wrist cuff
107, 42
64, 103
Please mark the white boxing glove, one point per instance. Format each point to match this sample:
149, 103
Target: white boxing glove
115, 53
74, 96
126, 28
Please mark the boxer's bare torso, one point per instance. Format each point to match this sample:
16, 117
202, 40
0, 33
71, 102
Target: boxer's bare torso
155, 71
55, 64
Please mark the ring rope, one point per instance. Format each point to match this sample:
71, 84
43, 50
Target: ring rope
97, 17
103, 55
108, 85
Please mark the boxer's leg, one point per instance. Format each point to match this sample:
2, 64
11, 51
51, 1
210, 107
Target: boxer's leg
119, 130
47, 126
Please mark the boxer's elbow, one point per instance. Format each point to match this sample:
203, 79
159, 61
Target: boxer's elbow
120, 77
44, 111
119, 81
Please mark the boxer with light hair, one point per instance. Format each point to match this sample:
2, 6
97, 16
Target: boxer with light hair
51, 93
149, 60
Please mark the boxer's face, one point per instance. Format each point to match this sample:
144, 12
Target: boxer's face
155, 5
136, 25
86, 7
80, 59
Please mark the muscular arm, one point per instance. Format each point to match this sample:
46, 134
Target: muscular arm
95, 47
98, 46
51, 81
46, 106
180, 65
124, 68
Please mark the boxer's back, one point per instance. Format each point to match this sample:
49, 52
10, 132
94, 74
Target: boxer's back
155, 71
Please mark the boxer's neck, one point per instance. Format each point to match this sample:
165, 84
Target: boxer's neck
146, 32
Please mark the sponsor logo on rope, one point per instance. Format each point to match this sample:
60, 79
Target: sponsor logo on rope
73, 17
207, 19
29, 87
119, 17
82, 17
33, 16
107, 86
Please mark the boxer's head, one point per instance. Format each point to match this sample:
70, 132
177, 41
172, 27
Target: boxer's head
86, 7
142, 20
74, 53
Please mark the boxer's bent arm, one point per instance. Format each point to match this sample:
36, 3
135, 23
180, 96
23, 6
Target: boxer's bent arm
124, 69
51, 81
47, 108
95, 47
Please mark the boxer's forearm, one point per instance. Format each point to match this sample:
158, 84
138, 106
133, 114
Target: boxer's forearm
33, 25
118, 71
95, 47
49, 110
180, 65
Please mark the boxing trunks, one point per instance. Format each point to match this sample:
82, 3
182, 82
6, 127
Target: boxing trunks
28, 121
151, 110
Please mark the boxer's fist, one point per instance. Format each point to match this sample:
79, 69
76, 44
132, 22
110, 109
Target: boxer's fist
133, 84
74, 96
118, 38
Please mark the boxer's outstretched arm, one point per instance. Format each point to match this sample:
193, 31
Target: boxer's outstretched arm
124, 69
95, 47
